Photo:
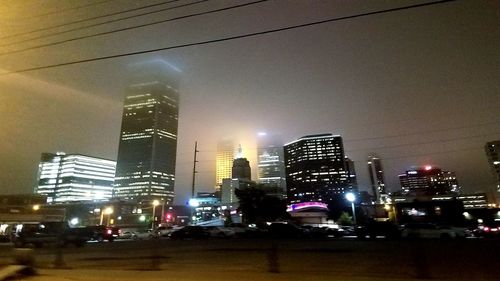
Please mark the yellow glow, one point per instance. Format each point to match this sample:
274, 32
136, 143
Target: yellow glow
156, 202
108, 211
36, 207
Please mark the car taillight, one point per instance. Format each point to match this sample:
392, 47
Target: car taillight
110, 231
486, 229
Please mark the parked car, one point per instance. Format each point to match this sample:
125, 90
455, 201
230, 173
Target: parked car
39, 234
189, 232
429, 230
102, 233
285, 230
386, 229
143, 234
164, 231
126, 234
219, 231
490, 230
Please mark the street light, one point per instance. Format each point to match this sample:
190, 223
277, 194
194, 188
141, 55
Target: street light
36, 207
155, 203
351, 198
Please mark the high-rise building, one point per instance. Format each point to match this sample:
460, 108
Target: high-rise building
351, 172
75, 177
148, 140
376, 174
241, 169
429, 181
315, 169
224, 161
493, 153
271, 164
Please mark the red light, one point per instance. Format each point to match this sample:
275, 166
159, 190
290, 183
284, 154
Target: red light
486, 229
169, 216
427, 168
110, 231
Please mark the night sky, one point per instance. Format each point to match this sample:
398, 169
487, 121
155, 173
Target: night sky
417, 86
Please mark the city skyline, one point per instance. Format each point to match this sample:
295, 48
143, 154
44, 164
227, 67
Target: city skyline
416, 86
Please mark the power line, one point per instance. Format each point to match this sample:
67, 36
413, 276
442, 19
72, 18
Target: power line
425, 154
229, 38
421, 143
68, 9
419, 133
134, 27
102, 23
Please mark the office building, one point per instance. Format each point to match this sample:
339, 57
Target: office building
74, 177
241, 169
493, 153
315, 169
429, 180
148, 139
351, 173
271, 164
376, 174
224, 161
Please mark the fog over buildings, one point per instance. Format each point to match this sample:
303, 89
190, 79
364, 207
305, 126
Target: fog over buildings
417, 86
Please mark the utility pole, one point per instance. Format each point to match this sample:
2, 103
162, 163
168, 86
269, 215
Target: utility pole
194, 168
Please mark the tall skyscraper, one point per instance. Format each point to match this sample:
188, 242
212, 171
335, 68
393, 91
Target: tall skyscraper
224, 161
271, 163
75, 177
493, 153
241, 169
315, 169
351, 172
429, 181
148, 140
376, 174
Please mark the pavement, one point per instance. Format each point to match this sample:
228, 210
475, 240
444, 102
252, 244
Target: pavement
258, 260
196, 275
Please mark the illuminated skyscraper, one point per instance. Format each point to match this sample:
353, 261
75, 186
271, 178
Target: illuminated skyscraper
224, 161
376, 177
429, 181
351, 172
493, 153
148, 140
74, 177
315, 169
271, 164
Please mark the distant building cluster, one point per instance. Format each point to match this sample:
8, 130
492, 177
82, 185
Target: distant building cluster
309, 172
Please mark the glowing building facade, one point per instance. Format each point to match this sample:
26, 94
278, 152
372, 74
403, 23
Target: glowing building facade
148, 140
493, 153
271, 164
74, 177
376, 174
224, 161
429, 181
315, 169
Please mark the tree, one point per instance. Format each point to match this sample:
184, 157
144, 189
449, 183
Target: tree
344, 219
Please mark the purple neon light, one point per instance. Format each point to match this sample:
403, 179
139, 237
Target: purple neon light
303, 205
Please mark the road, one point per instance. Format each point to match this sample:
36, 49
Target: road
335, 259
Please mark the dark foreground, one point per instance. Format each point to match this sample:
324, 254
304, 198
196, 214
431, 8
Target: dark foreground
238, 259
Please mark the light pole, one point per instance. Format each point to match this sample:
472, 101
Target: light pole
351, 198
155, 203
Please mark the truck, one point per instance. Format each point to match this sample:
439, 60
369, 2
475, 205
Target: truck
42, 233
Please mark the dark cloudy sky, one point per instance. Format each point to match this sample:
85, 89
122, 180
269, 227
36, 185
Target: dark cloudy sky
418, 86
